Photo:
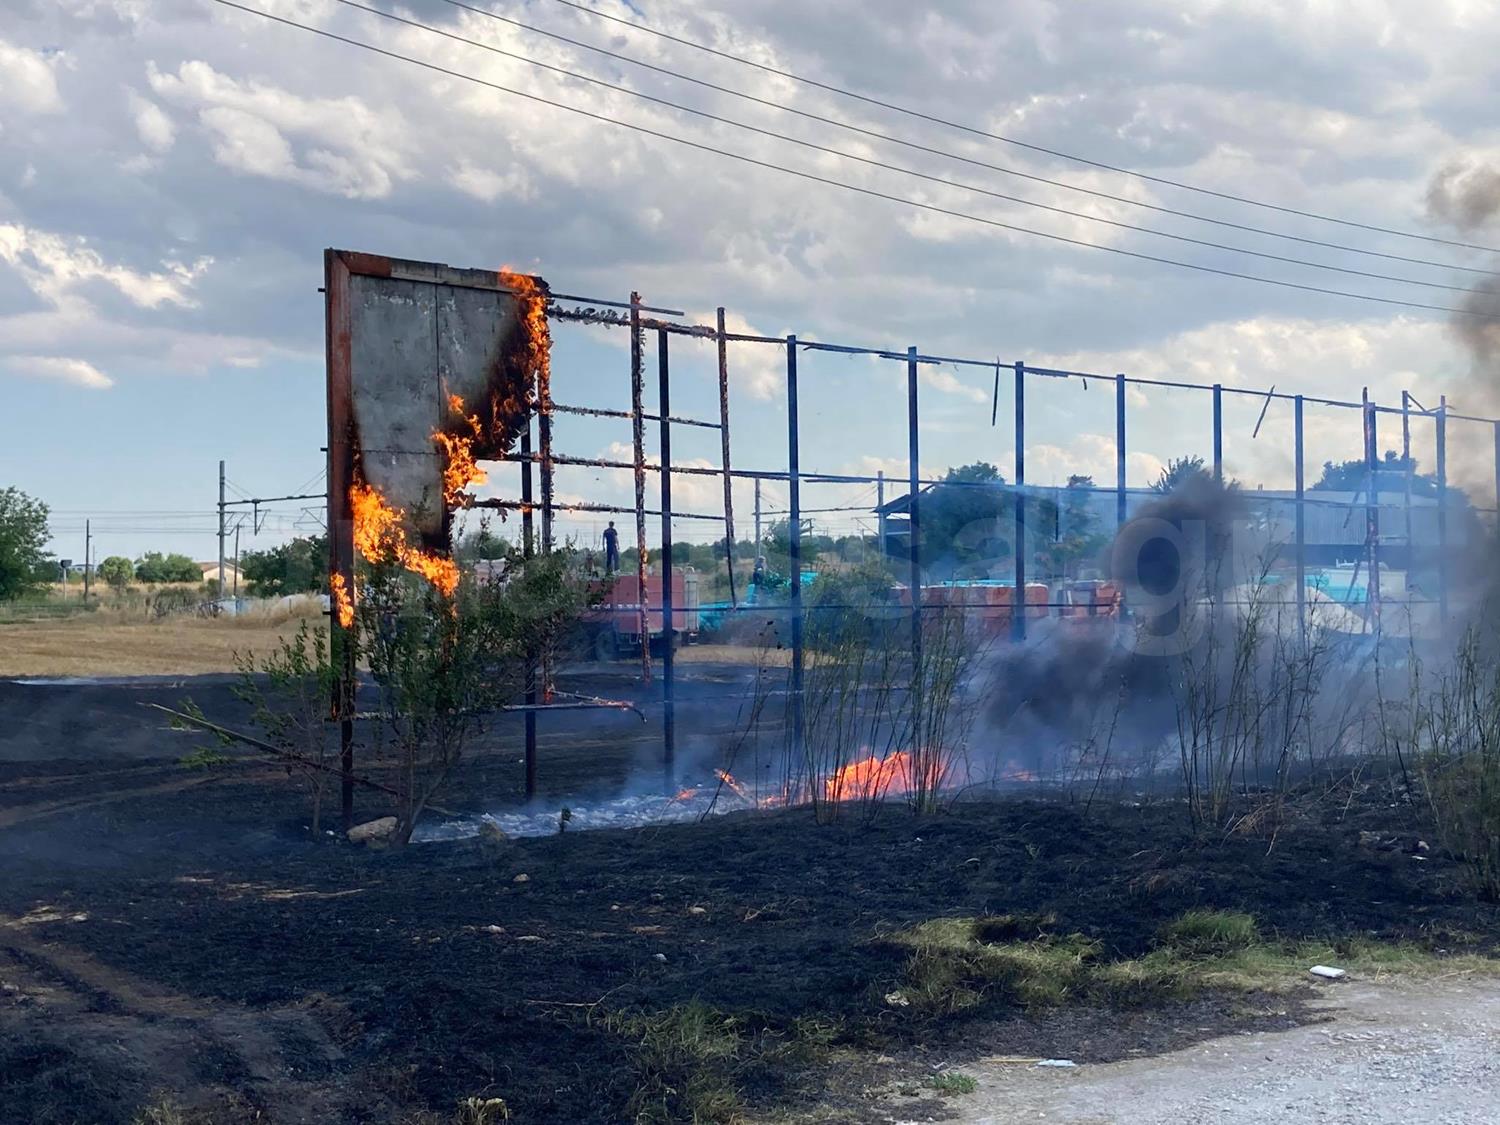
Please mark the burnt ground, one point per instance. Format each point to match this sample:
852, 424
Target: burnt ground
163, 929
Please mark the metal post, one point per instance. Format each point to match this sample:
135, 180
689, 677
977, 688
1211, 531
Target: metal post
544, 442
88, 558
1373, 504
1497, 474
638, 433
1372, 509
1442, 511
794, 486
343, 639
528, 537
668, 683
880, 510
913, 513
1300, 517
221, 530
1218, 433
1407, 475
528, 548
1018, 609
724, 455
236, 566
1119, 451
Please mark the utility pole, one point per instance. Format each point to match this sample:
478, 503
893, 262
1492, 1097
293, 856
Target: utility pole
236, 563
757, 517
88, 556
221, 529
880, 510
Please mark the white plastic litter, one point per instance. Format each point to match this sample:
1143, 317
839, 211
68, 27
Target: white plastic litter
1056, 1062
1327, 971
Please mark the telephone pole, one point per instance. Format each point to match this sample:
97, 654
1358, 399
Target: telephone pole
757, 517
221, 529
88, 556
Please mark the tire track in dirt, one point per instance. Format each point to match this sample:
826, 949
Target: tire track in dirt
272, 1058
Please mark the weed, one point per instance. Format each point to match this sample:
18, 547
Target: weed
952, 1082
1201, 933
481, 1111
686, 1058
163, 1111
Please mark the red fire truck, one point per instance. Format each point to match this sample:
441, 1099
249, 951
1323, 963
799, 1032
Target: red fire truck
613, 621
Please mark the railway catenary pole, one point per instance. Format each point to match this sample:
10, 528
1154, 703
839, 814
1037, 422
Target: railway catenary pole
880, 510
914, 521
1300, 517
1442, 510
668, 677
1018, 604
794, 488
638, 434
1119, 451
723, 343
527, 550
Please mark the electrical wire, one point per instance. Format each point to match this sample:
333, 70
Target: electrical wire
975, 131
870, 192
946, 154
886, 166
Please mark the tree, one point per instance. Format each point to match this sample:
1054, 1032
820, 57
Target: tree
23, 539
117, 571
1390, 476
1178, 472
1077, 537
299, 566
964, 524
153, 566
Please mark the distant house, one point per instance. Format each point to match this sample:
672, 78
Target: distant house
211, 572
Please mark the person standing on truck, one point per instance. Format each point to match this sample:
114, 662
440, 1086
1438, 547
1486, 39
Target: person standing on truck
611, 549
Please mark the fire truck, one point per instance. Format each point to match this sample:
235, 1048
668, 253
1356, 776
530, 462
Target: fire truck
612, 622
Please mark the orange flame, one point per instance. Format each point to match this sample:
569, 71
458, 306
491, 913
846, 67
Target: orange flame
343, 604
379, 534
459, 467
869, 777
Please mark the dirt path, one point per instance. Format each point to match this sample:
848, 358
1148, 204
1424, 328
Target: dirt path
1392, 1053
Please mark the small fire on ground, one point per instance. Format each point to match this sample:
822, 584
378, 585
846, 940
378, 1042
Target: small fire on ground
866, 779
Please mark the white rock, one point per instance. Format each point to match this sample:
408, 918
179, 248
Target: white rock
373, 833
1326, 971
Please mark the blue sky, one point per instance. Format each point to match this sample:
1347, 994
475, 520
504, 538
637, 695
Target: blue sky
170, 173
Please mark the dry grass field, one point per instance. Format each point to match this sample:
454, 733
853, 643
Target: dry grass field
117, 644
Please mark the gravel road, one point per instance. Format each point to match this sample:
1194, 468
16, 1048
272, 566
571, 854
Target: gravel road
1405, 1052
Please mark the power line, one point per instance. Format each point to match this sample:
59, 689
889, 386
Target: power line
871, 192
975, 131
902, 170
917, 146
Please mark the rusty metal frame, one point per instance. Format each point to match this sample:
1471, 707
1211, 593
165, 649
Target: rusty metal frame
340, 266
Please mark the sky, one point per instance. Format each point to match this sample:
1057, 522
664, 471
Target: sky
171, 171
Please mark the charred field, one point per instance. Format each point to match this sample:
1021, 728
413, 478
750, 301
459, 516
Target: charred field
175, 937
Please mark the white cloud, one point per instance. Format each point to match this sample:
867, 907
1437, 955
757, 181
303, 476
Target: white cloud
53, 266
488, 185
152, 124
28, 79
346, 147
78, 371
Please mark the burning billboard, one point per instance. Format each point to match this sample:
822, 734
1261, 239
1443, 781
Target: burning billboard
431, 370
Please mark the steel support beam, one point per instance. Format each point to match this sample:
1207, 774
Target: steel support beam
668, 620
